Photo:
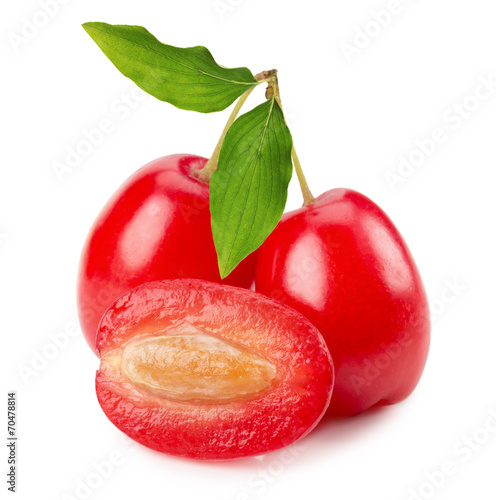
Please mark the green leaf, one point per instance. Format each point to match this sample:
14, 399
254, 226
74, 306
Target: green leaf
188, 78
248, 190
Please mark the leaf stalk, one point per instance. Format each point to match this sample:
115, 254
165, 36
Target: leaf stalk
308, 198
206, 172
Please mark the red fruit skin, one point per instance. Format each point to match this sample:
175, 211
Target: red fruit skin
277, 418
156, 226
342, 263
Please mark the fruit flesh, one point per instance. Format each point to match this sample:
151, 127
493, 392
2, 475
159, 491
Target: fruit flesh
343, 264
156, 226
237, 374
196, 368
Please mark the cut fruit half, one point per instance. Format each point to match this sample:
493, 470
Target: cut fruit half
210, 371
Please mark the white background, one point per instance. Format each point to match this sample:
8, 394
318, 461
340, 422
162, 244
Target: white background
351, 119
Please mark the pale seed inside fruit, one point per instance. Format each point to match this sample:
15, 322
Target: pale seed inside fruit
196, 368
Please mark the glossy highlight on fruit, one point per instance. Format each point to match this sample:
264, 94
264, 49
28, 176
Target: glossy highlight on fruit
342, 263
209, 371
156, 226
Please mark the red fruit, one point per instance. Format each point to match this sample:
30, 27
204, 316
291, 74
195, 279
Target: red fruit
156, 226
208, 371
342, 263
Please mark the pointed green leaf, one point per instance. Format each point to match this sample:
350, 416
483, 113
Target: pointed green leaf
248, 190
188, 78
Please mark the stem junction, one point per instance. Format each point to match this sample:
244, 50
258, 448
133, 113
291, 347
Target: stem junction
269, 76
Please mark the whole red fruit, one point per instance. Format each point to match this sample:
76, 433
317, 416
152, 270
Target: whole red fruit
156, 226
342, 263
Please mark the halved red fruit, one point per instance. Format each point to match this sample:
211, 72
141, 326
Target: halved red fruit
210, 371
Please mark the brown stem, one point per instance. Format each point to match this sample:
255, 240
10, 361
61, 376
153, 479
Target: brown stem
308, 198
